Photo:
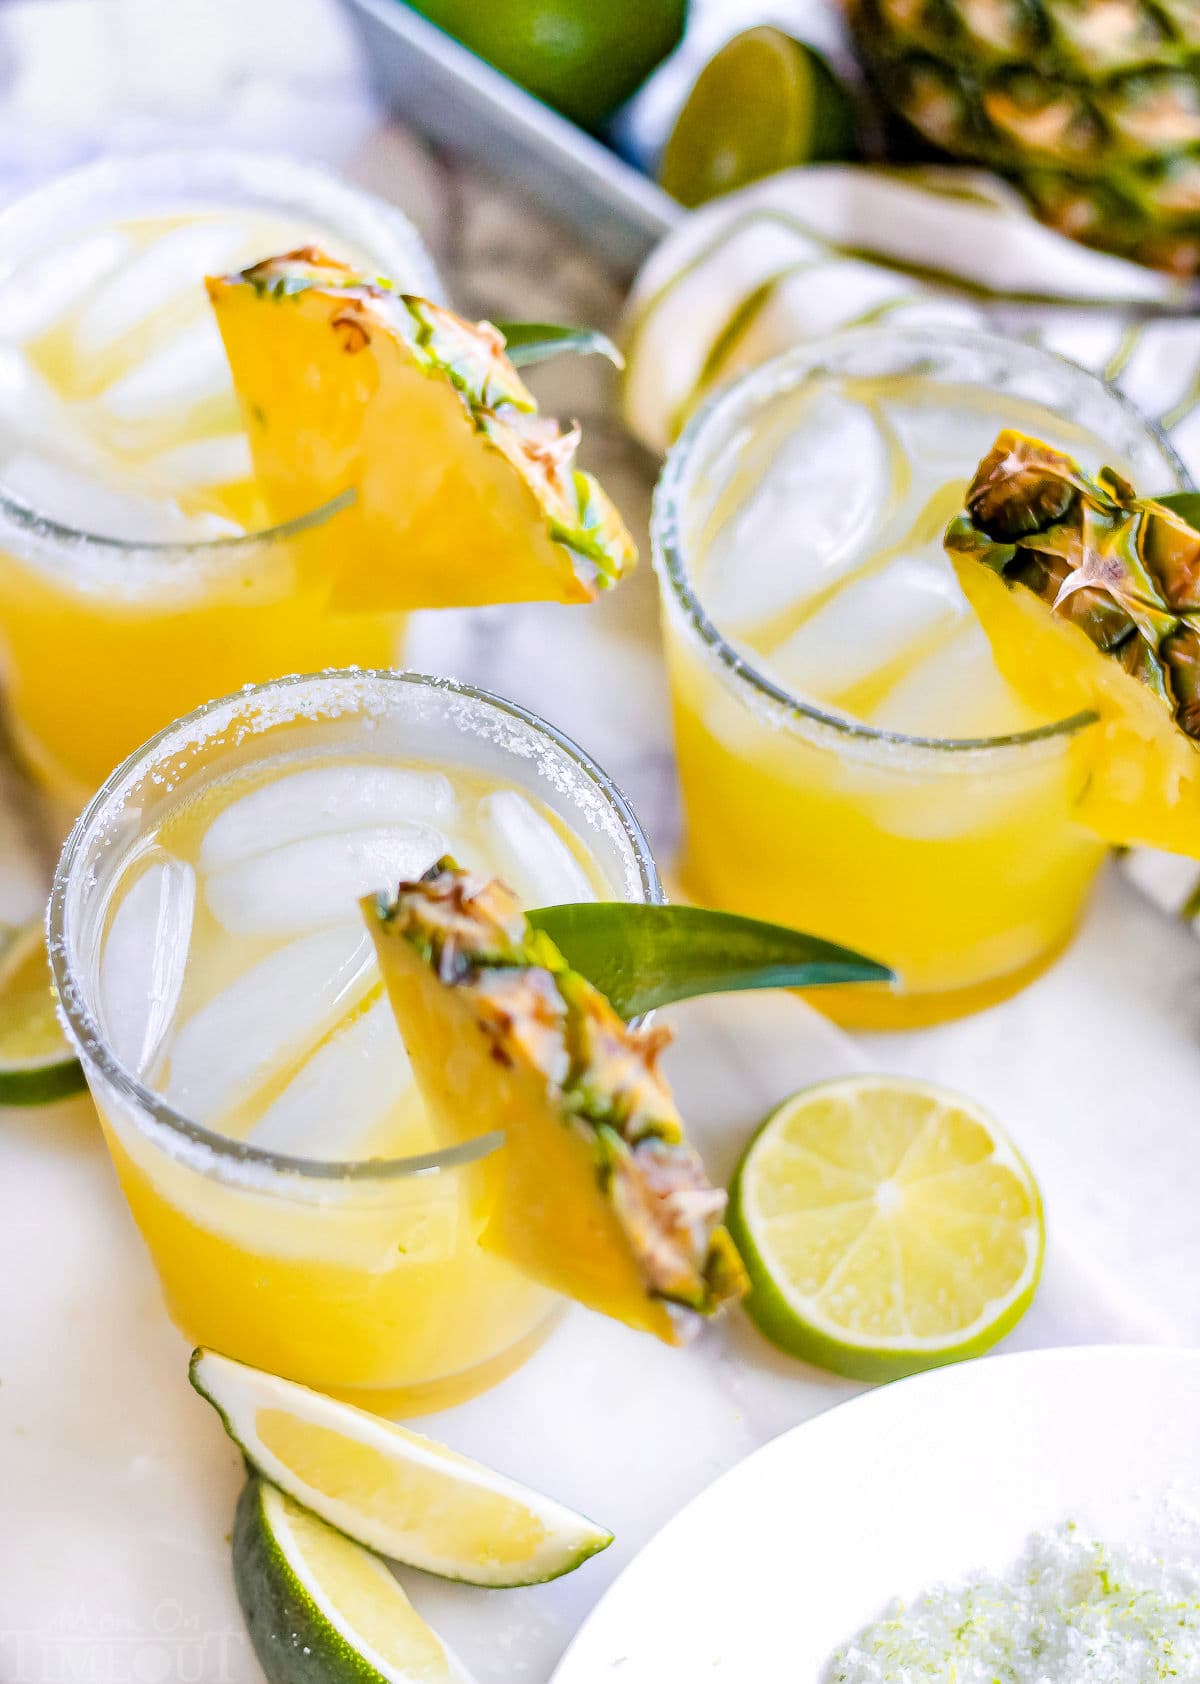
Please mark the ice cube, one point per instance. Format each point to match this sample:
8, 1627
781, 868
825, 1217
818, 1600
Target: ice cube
29, 410
941, 440
182, 372
342, 1094
955, 691
106, 508
162, 274
144, 959
287, 1002
807, 521
35, 296
526, 851
1159, 374
868, 624
224, 460
320, 801
317, 880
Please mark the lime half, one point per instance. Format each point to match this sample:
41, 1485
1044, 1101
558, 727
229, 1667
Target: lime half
393, 1490
320, 1608
36, 1064
887, 1225
764, 103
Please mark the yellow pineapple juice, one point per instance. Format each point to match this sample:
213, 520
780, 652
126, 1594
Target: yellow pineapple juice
852, 763
138, 571
222, 987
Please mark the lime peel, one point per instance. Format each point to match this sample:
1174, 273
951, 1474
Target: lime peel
319, 1608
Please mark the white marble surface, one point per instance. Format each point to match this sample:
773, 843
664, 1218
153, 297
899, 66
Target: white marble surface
117, 1486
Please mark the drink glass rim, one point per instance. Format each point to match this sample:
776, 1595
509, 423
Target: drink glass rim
360, 216
735, 402
236, 1159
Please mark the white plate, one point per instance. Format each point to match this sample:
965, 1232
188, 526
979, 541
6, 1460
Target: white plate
760, 1578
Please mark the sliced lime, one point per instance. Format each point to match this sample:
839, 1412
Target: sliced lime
323, 1610
764, 103
393, 1490
36, 1064
643, 957
887, 1226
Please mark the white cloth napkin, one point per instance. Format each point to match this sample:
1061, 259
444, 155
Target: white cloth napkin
807, 252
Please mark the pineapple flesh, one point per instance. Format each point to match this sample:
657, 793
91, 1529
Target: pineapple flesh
1091, 106
598, 1194
464, 494
1090, 596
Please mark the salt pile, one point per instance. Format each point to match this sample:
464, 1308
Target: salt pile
1072, 1611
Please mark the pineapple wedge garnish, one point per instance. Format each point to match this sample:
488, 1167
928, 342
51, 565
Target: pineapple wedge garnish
599, 1196
1090, 598
464, 494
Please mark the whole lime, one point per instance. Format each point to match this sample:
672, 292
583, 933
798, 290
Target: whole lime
584, 57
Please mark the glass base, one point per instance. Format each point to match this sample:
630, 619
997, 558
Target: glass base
396, 1402
869, 1007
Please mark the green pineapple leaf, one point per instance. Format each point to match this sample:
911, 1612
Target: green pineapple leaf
527, 343
1186, 504
643, 957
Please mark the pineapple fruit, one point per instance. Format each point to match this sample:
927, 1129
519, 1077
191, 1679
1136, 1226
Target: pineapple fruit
1090, 597
599, 1196
464, 494
1091, 106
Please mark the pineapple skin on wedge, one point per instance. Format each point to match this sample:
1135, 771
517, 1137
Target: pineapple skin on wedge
465, 495
1090, 598
599, 1195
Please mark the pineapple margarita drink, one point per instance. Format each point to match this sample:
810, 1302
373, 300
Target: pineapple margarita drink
221, 985
852, 762
139, 571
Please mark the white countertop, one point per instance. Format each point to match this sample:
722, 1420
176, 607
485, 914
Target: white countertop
118, 1487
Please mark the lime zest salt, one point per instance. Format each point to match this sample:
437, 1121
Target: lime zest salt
1071, 1611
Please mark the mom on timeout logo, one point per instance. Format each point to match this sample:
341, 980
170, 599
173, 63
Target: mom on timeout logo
85, 1645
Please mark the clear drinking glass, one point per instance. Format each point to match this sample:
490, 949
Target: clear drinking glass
956, 859
138, 574
365, 1278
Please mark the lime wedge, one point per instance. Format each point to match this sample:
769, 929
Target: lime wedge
887, 1226
764, 103
643, 957
36, 1064
403, 1495
319, 1607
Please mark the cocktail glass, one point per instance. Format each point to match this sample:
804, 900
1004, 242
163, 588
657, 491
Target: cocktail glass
139, 574
360, 1275
851, 762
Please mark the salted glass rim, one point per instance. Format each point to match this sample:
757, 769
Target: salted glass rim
356, 213
737, 400
191, 731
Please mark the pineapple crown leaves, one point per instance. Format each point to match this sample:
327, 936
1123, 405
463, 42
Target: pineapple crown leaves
472, 357
529, 343
1124, 569
526, 998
